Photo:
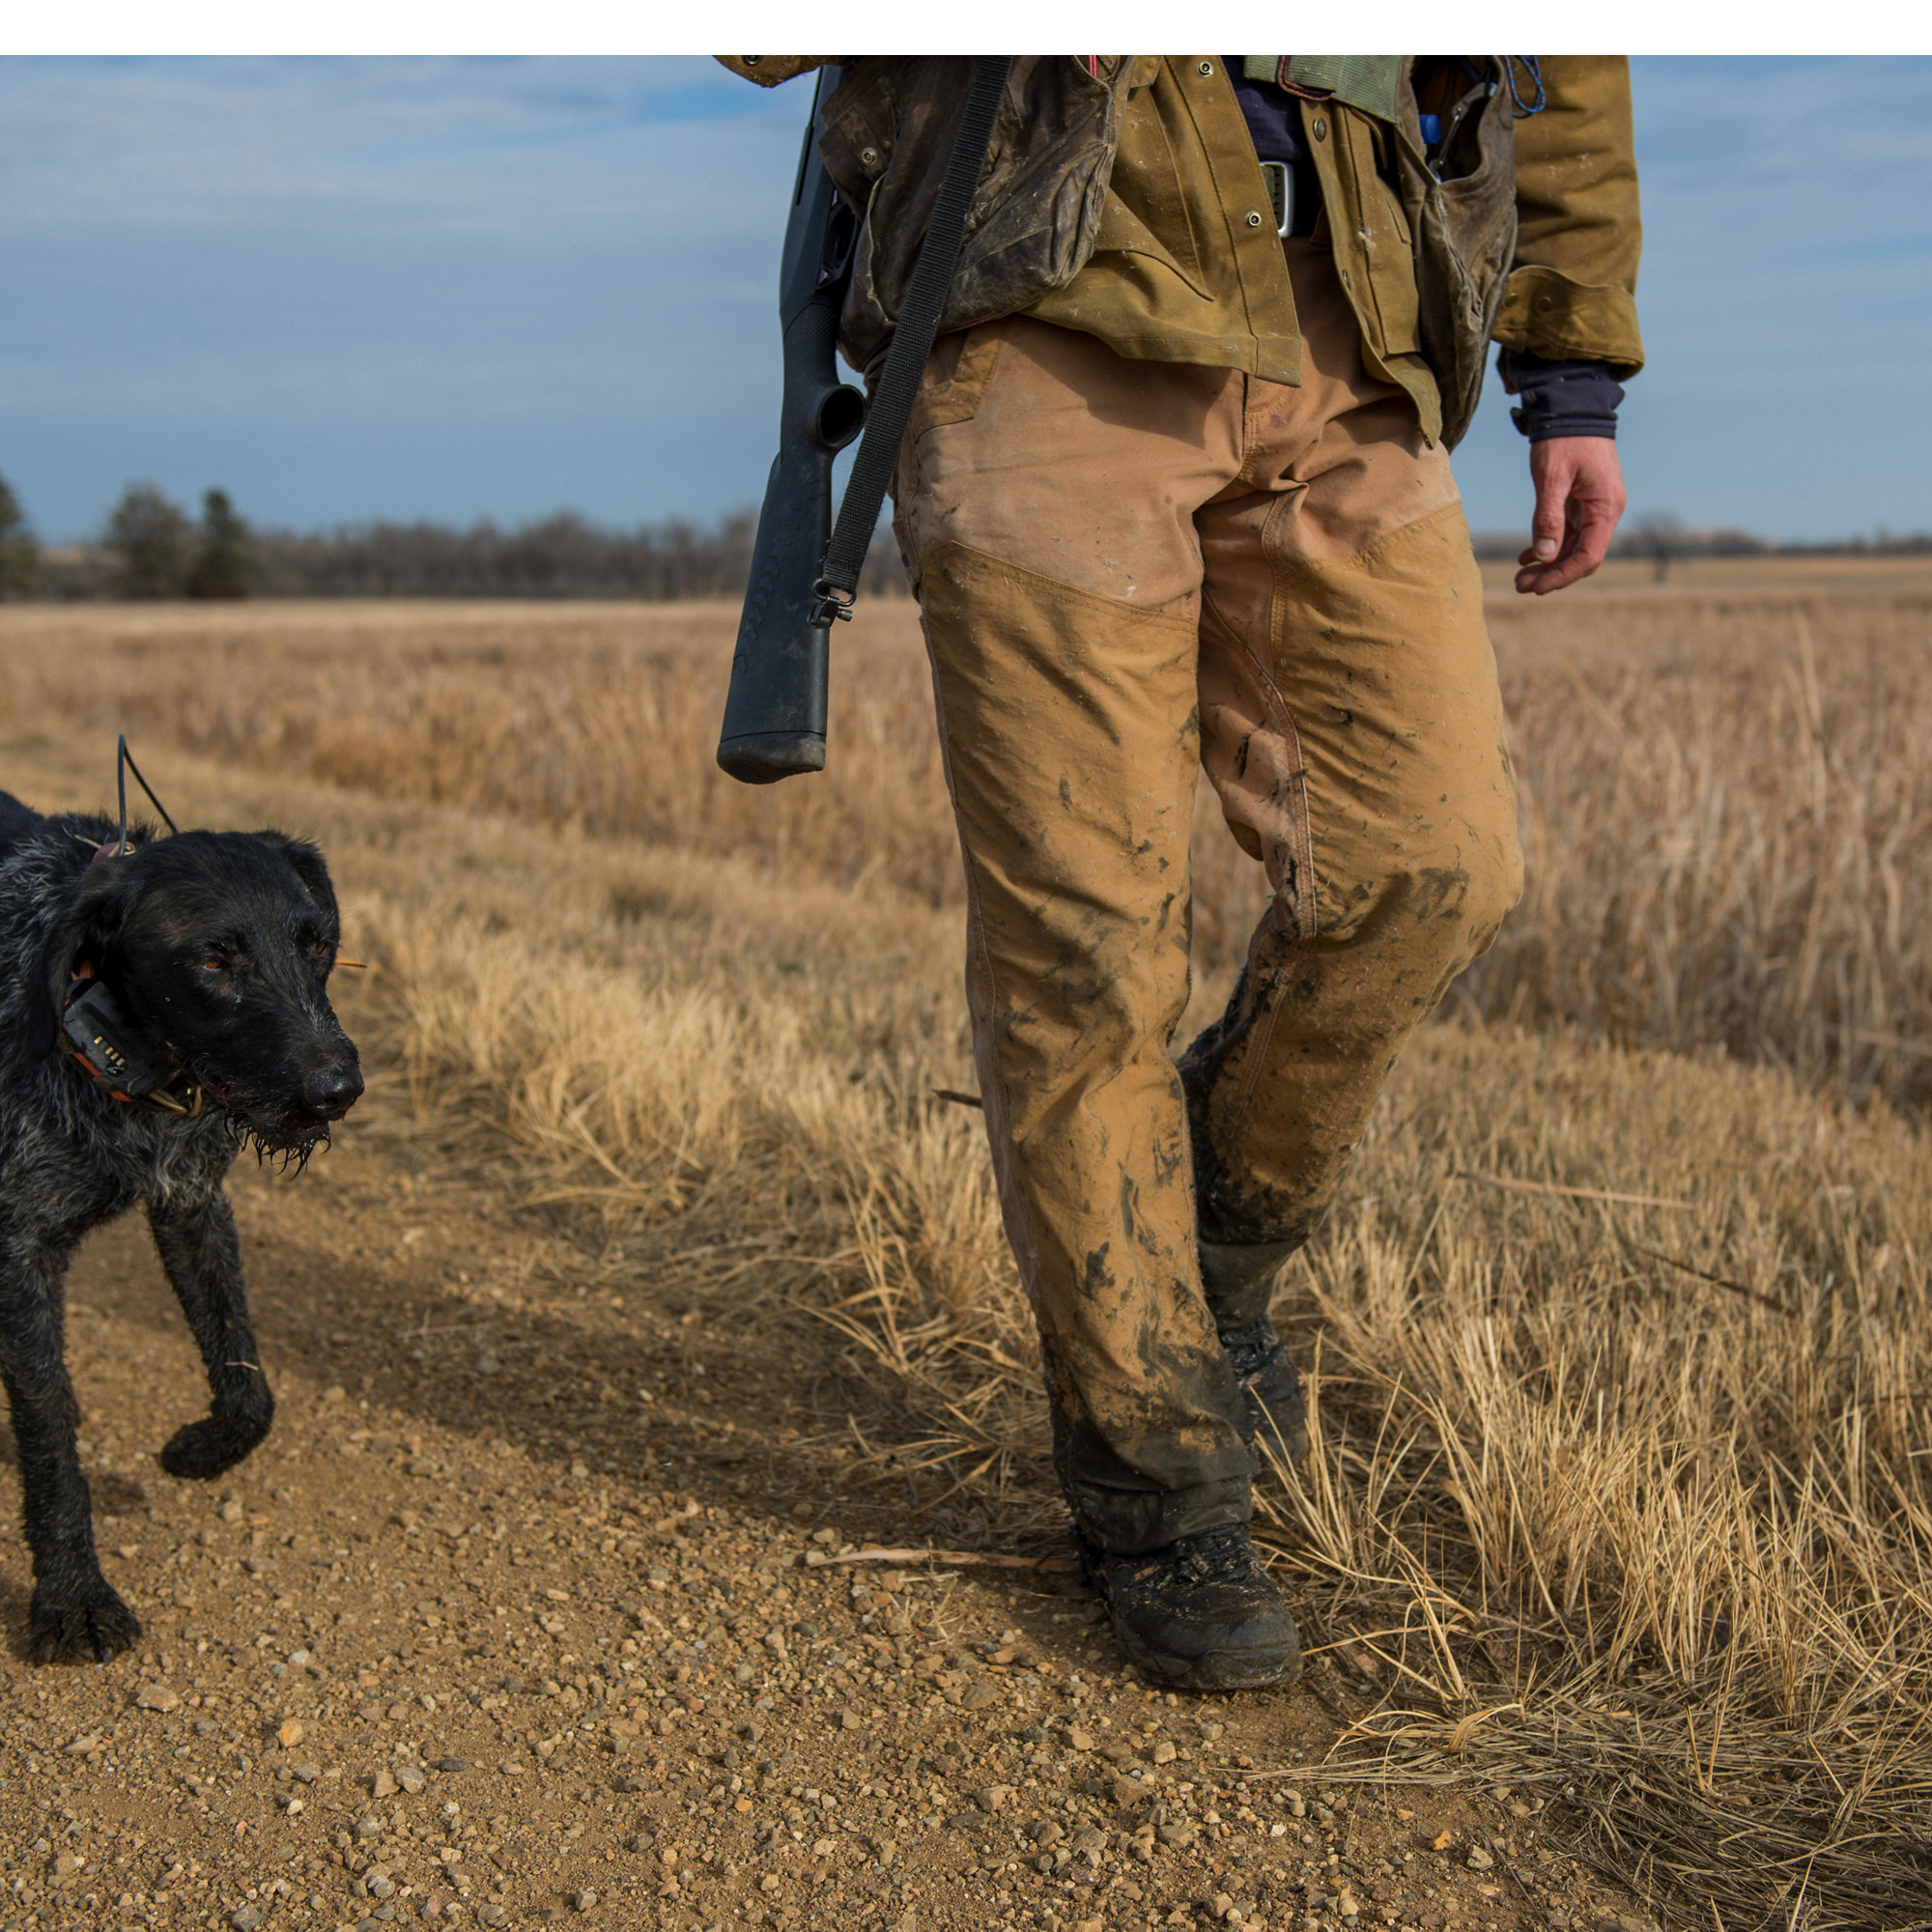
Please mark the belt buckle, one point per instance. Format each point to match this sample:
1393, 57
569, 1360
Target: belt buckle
1280, 178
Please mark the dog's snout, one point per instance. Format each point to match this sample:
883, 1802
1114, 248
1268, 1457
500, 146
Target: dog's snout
331, 1090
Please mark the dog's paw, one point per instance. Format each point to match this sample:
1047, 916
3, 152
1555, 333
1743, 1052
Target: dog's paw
89, 1623
209, 1447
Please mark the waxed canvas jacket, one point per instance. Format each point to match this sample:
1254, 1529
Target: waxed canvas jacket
1121, 196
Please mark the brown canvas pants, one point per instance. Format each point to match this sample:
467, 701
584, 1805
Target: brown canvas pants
1130, 570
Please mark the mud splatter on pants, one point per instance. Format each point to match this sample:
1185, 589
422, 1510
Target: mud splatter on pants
1130, 571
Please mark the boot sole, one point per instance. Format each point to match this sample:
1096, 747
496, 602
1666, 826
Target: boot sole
1218, 1670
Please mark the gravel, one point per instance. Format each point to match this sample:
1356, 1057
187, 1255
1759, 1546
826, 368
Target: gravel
447, 1656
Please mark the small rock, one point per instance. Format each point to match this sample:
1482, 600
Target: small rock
67, 1864
993, 1797
1163, 1752
306, 1774
156, 1697
582, 1901
1479, 1859
452, 1763
246, 1919
1079, 1739
411, 1779
383, 1786
290, 1735
231, 1511
334, 1393
381, 1885
981, 1693
849, 1721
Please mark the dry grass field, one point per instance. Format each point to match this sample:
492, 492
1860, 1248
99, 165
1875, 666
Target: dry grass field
1620, 1331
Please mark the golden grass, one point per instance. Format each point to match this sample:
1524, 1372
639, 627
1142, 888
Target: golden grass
1620, 1503
1725, 800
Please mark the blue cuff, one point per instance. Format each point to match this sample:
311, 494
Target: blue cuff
1560, 398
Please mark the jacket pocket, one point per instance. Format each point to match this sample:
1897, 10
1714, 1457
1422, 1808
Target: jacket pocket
1373, 248
1465, 237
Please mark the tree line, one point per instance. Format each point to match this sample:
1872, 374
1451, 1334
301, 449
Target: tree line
151, 548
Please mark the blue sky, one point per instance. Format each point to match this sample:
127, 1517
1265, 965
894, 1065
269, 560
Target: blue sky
466, 288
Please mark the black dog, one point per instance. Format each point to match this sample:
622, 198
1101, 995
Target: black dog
159, 1008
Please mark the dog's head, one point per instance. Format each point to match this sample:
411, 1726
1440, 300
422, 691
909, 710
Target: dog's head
218, 946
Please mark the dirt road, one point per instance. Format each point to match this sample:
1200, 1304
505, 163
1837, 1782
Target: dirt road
511, 1618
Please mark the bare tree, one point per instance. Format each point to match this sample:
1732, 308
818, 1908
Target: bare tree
1659, 535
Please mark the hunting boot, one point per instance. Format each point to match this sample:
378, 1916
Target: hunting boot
1201, 1614
1239, 1282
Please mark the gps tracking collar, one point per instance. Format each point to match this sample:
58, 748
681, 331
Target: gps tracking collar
95, 1032
101, 1040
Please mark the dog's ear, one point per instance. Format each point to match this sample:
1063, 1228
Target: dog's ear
85, 930
309, 867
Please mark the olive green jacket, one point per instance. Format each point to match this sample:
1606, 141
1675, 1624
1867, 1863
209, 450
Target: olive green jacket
1121, 196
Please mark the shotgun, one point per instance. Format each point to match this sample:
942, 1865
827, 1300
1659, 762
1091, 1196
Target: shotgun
775, 711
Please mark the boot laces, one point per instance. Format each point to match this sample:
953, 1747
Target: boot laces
1216, 1557
1250, 1347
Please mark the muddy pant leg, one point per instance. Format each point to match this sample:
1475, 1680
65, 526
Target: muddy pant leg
1066, 711
1352, 726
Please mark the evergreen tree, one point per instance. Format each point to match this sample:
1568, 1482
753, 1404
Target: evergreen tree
226, 564
20, 554
151, 541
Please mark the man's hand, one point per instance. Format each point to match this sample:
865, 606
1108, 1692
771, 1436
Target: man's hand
1579, 496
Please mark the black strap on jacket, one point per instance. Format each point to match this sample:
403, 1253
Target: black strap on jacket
924, 303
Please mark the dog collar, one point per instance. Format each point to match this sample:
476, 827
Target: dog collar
96, 1036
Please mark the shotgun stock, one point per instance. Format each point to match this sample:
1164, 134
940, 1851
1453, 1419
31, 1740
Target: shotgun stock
775, 711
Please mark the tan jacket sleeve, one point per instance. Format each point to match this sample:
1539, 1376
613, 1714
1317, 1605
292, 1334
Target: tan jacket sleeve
770, 70
1572, 292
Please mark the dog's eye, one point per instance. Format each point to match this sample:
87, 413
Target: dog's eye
216, 963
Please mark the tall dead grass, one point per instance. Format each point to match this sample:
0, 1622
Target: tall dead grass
1726, 803
1623, 1359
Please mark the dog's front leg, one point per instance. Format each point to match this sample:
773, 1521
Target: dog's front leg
203, 1258
74, 1611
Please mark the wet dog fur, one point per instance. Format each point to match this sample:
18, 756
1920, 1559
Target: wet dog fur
219, 948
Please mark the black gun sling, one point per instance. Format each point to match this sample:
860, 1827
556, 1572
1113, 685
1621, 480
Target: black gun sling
912, 343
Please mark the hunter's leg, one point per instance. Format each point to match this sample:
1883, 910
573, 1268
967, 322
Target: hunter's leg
1352, 727
1045, 502
202, 1255
75, 1610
